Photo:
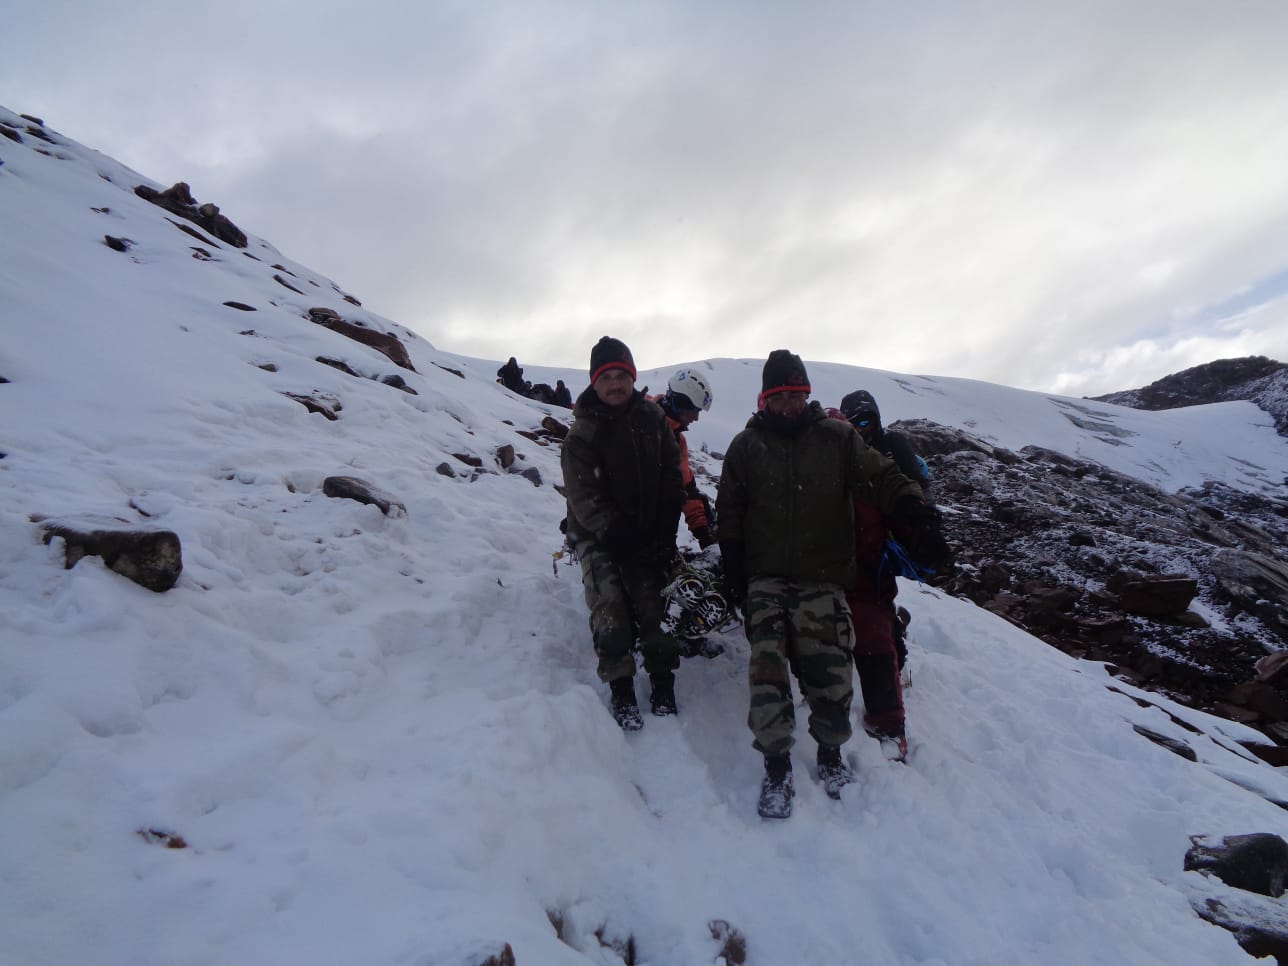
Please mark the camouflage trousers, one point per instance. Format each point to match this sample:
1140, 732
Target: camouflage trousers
802, 628
625, 601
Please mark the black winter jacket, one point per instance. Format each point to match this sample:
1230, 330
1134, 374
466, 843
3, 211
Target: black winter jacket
622, 467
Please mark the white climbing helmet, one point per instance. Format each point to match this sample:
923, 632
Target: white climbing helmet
693, 386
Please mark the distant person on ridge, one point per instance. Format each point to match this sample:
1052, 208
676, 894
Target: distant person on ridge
510, 375
562, 396
687, 397
787, 540
621, 468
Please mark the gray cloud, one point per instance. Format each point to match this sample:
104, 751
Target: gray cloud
1057, 197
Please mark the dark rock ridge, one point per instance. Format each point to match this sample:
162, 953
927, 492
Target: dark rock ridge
1179, 593
1255, 378
178, 200
384, 342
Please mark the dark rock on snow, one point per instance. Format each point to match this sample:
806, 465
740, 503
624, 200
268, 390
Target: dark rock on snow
151, 558
383, 342
1257, 862
178, 200
352, 488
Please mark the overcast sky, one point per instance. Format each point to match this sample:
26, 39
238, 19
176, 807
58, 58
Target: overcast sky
1074, 197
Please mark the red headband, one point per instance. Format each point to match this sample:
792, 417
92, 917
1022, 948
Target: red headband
615, 364
792, 388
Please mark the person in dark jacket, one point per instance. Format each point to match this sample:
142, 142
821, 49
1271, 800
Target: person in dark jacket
878, 620
621, 469
860, 408
785, 510
562, 396
879, 648
510, 375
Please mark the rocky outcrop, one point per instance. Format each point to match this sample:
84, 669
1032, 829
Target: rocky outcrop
1255, 378
151, 558
1255, 582
1177, 592
1254, 868
383, 342
178, 200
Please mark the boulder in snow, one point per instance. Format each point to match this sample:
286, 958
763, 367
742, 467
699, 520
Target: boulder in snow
151, 558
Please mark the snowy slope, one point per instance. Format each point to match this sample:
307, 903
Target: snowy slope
382, 739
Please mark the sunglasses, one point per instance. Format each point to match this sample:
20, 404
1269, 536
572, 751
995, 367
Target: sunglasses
861, 423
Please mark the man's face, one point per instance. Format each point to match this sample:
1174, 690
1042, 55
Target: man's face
687, 417
614, 387
787, 405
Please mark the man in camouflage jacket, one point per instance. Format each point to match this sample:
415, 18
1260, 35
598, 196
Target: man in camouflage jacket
621, 468
787, 541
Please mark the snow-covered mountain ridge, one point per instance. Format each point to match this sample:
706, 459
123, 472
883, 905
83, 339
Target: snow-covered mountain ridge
379, 737
1255, 378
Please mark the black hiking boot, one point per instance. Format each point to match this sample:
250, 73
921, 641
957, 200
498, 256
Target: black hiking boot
833, 772
625, 710
663, 698
776, 790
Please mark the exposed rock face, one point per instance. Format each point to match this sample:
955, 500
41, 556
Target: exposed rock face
1259, 582
178, 200
1255, 378
383, 342
151, 558
1257, 862
1180, 593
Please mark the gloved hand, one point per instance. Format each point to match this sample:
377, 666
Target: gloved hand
925, 541
733, 554
929, 549
704, 537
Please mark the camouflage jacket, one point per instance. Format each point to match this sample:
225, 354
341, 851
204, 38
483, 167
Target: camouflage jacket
786, 494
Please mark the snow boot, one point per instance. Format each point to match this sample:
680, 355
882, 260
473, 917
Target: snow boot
625, 711
776, 790
833, 772
893, 743
663, 698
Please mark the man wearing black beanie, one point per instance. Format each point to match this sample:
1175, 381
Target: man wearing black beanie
787, 542
621, 468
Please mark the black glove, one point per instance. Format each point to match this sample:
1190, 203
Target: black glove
704, 537
926, 544
929, 549
733, 554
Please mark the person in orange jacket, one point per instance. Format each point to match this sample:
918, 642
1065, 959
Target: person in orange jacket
688, 396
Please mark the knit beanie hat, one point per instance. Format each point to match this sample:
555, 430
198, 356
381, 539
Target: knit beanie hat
783, 372
610, 353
